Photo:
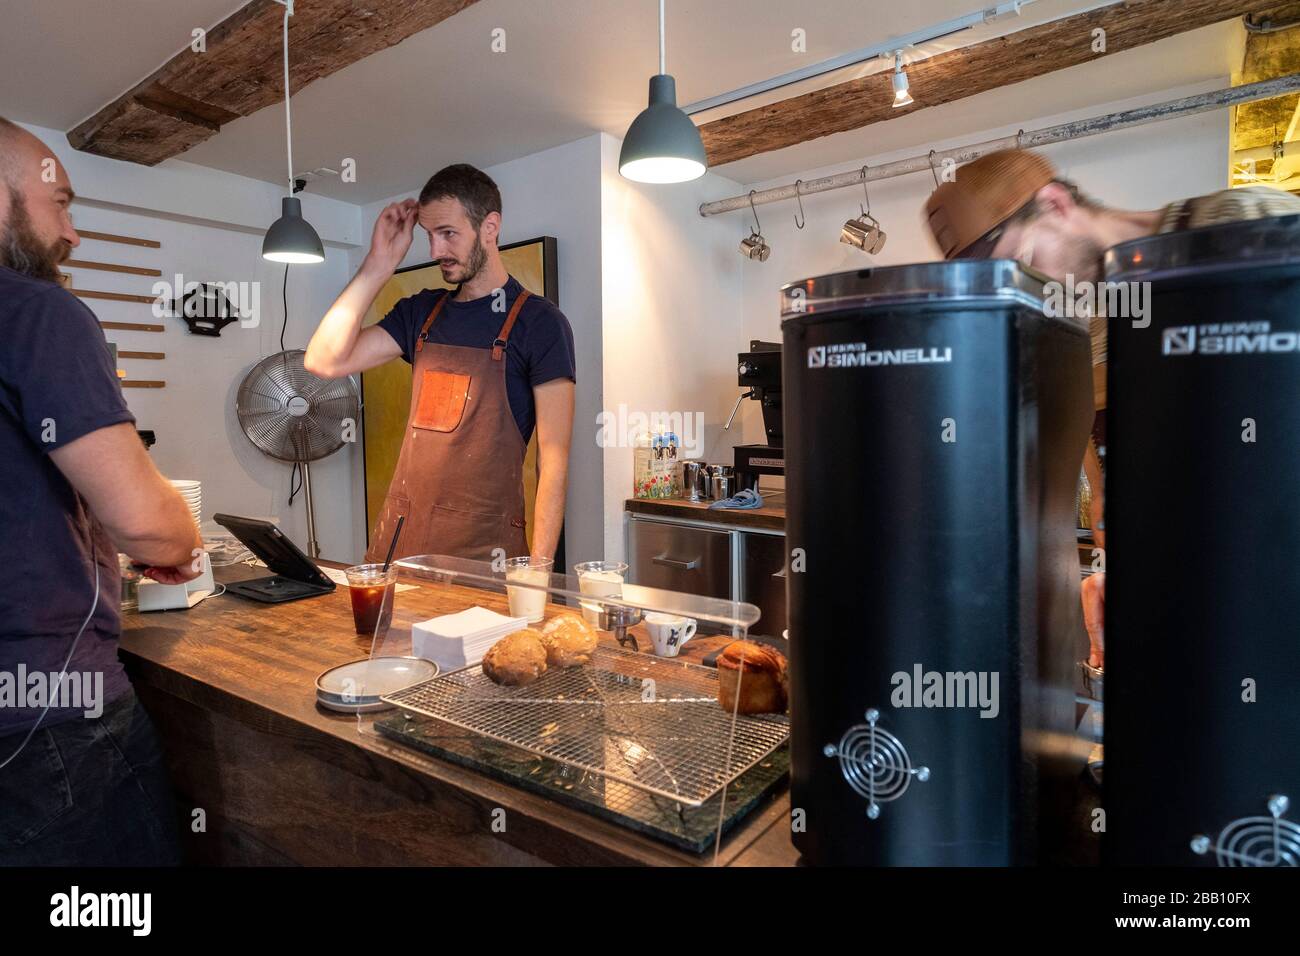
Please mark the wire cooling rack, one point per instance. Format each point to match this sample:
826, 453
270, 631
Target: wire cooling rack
649, 722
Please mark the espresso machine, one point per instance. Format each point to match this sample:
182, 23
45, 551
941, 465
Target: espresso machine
759, 372
938, 422
1202, 725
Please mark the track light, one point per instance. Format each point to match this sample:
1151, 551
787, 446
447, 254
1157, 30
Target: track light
901, 96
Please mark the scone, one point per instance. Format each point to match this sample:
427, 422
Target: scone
765, 687
517, 659
569, 641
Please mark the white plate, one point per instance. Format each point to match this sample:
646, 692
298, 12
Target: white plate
329, 704
361, 683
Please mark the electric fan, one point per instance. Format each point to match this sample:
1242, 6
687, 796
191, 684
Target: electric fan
295, 416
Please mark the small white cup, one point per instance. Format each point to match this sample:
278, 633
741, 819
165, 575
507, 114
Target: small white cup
668, 633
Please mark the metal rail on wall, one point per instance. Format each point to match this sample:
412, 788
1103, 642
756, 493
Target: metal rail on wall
1025, 139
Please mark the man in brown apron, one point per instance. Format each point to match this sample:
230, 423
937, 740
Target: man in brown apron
489, 363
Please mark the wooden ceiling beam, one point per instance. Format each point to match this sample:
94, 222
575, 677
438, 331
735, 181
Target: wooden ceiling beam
190, 97
945, 77
1267, 55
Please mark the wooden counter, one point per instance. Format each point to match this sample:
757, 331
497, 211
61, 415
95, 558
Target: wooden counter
231, 687
770, 517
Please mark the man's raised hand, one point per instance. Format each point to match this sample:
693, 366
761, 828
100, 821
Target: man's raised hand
394, 230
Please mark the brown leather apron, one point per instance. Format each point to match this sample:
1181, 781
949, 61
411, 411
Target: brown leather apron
459, 477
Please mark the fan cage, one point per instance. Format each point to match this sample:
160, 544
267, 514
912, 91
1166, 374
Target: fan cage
292, 414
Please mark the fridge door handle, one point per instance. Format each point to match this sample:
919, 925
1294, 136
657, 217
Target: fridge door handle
668, 562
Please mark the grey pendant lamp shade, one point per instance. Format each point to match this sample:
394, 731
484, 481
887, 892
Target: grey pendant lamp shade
662, 144
291, 238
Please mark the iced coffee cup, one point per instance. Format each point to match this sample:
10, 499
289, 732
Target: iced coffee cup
371, 588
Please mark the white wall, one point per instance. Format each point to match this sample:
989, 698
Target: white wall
210, 225
672, 284
1139, 168
552, 193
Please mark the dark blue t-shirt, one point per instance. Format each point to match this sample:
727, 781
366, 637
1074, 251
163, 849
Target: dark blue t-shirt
539, 350
57, 383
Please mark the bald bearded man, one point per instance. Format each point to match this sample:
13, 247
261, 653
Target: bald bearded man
81, 777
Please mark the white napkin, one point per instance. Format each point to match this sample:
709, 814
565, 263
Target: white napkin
460, 639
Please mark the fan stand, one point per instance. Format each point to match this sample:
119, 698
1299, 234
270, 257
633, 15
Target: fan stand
313, 547
299, 407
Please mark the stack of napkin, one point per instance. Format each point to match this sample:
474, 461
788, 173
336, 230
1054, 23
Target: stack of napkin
459, 640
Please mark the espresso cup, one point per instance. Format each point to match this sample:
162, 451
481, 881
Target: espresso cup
668, 632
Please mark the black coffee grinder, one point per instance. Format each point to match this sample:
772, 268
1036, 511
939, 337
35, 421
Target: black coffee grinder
759, 371
942, 419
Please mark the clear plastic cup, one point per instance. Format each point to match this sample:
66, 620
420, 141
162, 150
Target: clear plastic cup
528, 602
372, 590
599, 579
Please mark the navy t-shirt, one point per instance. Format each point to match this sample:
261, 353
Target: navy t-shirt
57, 383
539, 349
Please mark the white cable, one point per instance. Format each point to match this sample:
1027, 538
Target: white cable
94, 560
288, 117
661, 38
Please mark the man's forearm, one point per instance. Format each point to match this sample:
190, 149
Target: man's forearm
336, 336
548, 511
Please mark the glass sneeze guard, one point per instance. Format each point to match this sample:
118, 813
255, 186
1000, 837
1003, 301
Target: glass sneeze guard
632, 736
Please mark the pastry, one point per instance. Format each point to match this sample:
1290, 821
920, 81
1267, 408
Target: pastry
765, 686
569, 641
517, 659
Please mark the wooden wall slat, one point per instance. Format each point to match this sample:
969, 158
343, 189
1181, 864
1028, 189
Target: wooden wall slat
110, 267
125, 240
113, 296
131, 326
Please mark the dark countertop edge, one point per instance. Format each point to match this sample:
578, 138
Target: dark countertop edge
764, 519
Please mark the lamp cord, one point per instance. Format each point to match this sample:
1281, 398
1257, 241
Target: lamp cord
662, 64
284, 295
288, 117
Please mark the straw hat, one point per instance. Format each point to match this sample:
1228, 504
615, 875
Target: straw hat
985, 193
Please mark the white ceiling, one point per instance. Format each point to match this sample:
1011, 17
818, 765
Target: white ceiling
571, 68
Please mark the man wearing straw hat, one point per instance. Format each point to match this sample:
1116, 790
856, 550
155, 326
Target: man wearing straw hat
1012, 204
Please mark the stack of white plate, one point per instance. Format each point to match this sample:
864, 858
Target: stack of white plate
192, 492
459, 640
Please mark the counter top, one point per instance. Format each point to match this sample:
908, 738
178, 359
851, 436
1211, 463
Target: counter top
770, 517
230, 685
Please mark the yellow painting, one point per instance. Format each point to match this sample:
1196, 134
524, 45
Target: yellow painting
386, 390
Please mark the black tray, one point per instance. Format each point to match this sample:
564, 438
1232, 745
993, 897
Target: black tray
689, 828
